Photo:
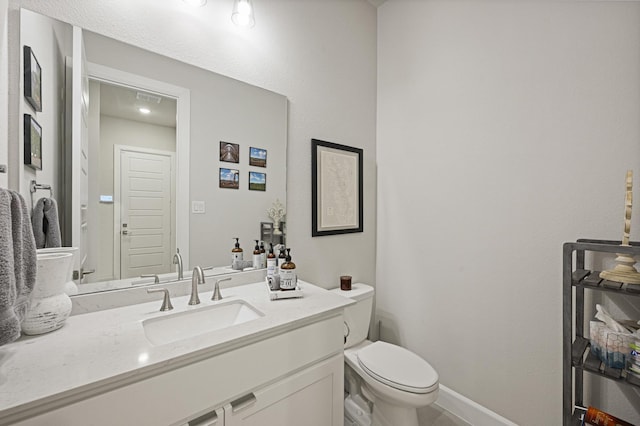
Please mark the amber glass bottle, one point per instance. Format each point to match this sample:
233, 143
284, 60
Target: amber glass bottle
288, 278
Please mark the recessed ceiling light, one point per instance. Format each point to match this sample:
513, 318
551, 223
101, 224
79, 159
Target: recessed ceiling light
195, 3
144, 110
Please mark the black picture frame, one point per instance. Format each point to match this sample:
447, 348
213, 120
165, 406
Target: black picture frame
32, 79
257, 157
32, 143
337, 189
229, 152
229, 178
257, 181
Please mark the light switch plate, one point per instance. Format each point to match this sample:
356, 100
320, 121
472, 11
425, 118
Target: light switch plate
197, 207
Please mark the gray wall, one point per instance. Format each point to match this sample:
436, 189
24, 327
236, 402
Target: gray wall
50, 42
513, 124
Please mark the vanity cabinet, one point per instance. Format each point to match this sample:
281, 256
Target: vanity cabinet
292, 377
577, 358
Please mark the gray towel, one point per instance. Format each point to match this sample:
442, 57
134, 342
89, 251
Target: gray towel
46, 227
17, 264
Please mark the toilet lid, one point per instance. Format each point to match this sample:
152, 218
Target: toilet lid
397, 367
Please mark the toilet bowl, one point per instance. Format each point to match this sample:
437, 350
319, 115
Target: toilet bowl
396, 380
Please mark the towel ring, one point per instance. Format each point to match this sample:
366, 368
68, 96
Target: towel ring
34, 186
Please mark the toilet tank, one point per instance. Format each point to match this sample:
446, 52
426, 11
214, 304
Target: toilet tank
358, 315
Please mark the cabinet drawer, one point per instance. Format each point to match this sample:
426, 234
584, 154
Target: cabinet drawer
312, 397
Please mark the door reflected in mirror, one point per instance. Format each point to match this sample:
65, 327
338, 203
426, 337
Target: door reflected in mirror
133, 197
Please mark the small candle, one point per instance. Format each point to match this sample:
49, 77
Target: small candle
345, 282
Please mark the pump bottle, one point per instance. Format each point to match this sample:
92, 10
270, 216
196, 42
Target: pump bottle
257, 256
236, 252
263, 255
282, 257
272, 262
288, 277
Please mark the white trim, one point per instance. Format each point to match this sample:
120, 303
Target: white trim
117, 205
468, 410
183, 139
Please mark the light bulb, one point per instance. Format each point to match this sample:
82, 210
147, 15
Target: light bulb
242, 14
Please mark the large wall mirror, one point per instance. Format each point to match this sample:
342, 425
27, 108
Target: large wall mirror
186, 173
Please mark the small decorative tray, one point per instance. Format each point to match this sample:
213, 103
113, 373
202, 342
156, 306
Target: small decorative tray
284, 294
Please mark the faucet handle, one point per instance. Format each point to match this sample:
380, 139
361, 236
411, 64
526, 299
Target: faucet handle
156, 279
166, 300
216, 288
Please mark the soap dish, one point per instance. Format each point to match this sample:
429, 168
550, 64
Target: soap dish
284, 294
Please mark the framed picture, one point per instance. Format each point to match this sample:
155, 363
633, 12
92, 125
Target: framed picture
32, 79
336, 179
229, 152
32, 143
257, 157
257, 181
229, 178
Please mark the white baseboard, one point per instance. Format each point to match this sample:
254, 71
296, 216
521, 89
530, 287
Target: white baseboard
468, 410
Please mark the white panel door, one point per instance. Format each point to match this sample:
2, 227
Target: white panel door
145, 214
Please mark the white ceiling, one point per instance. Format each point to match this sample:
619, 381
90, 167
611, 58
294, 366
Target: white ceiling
123, 102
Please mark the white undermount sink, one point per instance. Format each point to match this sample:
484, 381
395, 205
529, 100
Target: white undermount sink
183, 325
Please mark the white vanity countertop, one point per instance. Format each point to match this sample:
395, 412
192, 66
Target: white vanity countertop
102, 348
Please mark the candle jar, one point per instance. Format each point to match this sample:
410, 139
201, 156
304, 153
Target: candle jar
345, 282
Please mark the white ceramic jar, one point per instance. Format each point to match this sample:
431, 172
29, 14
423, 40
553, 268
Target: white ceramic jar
49, 305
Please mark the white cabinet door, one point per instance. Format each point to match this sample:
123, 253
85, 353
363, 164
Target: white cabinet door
312, 397
212, 418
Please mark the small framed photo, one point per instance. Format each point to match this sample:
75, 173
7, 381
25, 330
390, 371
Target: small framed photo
229, 178
257, 181
257, 157
32, 79
32, 143
229, 152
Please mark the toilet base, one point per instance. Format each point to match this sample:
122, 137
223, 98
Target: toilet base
387, 413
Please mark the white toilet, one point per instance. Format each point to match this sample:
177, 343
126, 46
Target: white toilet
394, 379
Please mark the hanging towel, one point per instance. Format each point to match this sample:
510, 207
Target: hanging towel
46, 227
17, 263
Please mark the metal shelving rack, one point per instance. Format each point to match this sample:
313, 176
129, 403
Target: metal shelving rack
576, 356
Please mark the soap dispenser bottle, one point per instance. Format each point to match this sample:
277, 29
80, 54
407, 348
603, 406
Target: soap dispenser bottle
236, 252
281, 256
263, 255
257, 256
288, 278
272, 262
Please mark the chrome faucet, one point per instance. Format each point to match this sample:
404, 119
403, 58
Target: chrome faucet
197, 277
177, 260
156, 278
216, 289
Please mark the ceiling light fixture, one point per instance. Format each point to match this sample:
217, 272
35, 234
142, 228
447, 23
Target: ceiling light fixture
242, 14
195, 3
144, 110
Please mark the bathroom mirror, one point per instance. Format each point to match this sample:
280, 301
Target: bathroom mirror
202, 212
